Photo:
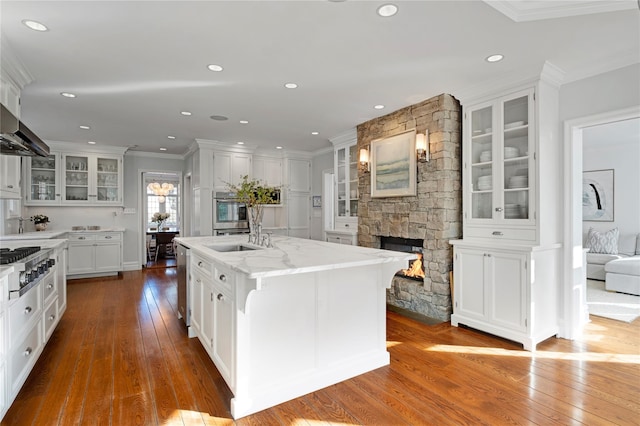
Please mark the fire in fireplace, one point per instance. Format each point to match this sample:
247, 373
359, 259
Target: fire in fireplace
415, 271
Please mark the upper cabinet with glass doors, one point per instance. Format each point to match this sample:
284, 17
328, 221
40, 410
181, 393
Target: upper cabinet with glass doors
346, 185
75, 179
500, 165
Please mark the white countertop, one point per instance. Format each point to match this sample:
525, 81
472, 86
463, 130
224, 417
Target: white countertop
40, 235
290, 255
44, 243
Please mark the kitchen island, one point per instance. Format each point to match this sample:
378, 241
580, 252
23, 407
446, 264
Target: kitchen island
284, 321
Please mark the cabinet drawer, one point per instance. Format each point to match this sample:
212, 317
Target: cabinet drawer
201, 265
49, 288
50, 319
24, 356
108, 236
223, 277
81, 237
24, 311
498, 233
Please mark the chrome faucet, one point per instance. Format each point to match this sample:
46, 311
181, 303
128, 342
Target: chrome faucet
20, 227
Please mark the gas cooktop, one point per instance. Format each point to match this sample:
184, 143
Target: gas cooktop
9, 256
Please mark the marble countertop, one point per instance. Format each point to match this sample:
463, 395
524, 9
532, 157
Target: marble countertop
290, 255
44, 243
40, 235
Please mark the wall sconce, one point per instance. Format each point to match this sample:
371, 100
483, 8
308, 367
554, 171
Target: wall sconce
161, 190
422, 146
364, 160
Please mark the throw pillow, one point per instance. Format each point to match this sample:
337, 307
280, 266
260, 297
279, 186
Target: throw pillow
603, 242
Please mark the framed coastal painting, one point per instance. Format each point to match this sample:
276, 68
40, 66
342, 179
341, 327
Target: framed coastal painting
393, 165
597, 195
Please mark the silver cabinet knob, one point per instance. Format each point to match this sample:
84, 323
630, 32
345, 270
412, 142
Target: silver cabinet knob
220, 296
223, 278
499, 209
27, 352
52, 317
497, 233
27, 310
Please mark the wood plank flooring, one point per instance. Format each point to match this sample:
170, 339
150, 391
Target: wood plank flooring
120, 356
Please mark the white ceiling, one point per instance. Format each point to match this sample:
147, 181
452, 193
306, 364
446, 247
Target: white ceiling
135, 65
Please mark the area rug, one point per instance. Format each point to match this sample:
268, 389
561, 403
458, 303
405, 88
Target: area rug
609, 304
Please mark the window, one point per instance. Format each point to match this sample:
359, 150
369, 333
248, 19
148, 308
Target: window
170, 205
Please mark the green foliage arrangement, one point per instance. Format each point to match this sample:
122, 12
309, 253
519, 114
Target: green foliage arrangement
254, 194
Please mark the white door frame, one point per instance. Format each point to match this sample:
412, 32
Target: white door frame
573, 295
142, 223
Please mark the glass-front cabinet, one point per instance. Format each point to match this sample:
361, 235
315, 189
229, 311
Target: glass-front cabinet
500, 158
346, 183
42, 180
75, 179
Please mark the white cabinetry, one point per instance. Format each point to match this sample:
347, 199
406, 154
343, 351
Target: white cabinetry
506, 266
345, 185
4, 345
342, 237
229, 167
9, 176
71, 179
299, 197
10, 95
268, 170
97, 254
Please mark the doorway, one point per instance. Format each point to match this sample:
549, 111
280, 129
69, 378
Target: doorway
161, 217
573, 297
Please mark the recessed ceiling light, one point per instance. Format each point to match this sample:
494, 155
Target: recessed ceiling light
187, 113
85, 127
214, 67
314, 133
91, 142
379, 106
163, 149
240, 143
387, 10
244, 122
171, 137
290, 85
494, 58
219, 117
278, 147
68, 95
35, 25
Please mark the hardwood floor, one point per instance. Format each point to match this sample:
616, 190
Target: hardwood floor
120, 356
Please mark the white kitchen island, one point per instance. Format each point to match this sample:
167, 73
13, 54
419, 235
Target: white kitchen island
285, 321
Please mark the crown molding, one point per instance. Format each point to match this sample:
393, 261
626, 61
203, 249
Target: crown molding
349, 136
143, 154
80, 148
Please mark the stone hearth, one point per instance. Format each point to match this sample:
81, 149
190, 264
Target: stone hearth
434, 215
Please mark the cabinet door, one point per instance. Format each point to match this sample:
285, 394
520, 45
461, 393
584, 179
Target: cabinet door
224, 326
299, 217
299, 175
470, 279
81, 257
75, 178
108, 257
108, 180
208, 307
9, 176
507, 289
197, 284
240, 166
481, 157
43, 181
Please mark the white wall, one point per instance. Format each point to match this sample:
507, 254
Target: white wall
319, 163
611, 150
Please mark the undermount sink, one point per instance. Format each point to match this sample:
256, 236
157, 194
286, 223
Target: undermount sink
231, 247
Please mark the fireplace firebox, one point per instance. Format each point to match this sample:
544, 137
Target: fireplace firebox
415, 268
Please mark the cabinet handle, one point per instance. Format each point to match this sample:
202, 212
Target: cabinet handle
346, 225
198, 280
220, 296
52, 317
10, 186
499, 209
81, 238
200, 264
27, 310
27, 352
49, 286
108, 237
223, 278
497, 233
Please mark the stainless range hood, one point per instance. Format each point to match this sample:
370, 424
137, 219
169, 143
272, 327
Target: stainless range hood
17, 139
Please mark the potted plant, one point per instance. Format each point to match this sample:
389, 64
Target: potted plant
40, 221
254, 194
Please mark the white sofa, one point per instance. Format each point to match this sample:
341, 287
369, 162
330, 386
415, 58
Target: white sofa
619, 266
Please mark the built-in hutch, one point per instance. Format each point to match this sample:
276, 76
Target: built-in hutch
345, 191
70, 177
507, 264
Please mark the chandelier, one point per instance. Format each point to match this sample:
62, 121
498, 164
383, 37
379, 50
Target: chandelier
161, 190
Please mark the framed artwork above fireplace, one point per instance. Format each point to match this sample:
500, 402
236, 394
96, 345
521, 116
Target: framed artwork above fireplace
393, 166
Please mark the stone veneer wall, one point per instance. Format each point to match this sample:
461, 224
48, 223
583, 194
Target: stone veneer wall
434, 215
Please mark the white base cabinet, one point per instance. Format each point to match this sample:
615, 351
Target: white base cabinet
342, 237
94, 254
507, 291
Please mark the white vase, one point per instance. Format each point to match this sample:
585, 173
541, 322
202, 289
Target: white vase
41, 226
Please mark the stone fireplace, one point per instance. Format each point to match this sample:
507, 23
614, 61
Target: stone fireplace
434, 216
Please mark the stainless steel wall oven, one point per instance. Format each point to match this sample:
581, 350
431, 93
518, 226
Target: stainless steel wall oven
229, 215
